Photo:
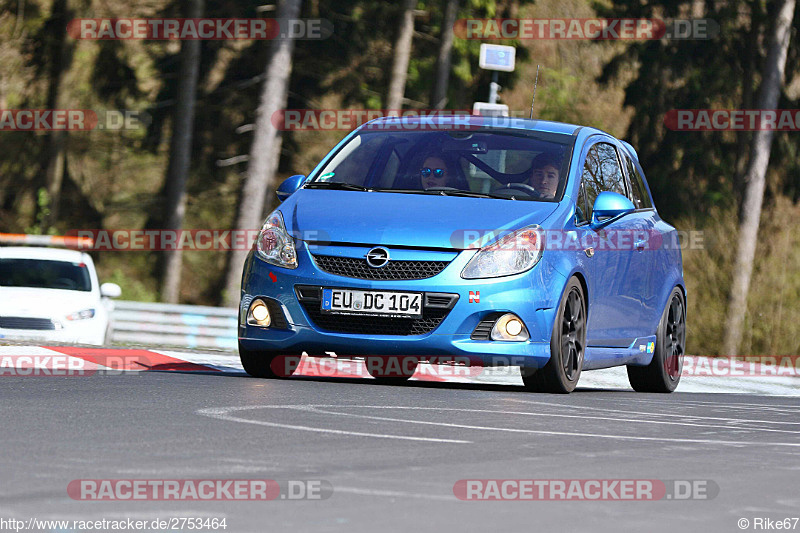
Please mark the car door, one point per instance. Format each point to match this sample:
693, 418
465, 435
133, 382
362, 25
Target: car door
645, 215
616, 271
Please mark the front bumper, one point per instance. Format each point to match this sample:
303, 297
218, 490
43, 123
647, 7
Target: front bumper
82, 334
533, 296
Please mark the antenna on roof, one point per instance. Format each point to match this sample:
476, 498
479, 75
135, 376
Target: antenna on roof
535, 83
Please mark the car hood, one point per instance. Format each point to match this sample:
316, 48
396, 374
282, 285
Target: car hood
399, 219
45, 303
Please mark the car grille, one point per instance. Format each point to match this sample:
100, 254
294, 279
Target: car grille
353, 267
435, 308
21, 322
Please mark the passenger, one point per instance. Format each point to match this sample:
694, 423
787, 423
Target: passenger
434, 173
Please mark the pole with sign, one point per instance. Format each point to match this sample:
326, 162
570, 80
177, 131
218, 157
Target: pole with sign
494, 57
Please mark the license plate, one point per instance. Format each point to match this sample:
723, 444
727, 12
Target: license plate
382, 303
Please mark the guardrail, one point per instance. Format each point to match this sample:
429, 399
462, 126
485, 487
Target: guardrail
188, 326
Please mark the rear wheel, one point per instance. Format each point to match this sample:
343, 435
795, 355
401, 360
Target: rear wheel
567, 346
664, 372
267, 364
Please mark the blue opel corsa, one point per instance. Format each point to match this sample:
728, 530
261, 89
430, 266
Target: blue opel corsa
469, 240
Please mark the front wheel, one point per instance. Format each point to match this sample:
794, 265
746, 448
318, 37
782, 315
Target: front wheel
266, 364
664, 372
567, 346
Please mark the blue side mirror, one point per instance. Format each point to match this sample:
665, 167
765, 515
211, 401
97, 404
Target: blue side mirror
608, 206
289, 186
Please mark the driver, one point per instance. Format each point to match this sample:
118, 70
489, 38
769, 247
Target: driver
544, 175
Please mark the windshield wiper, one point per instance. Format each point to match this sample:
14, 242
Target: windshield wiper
435, 191
334, 185
447, 191
404, 191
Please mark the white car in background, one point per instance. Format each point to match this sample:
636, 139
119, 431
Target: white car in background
51, 294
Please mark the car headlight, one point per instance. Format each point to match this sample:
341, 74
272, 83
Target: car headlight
81, 315
514, 253
274, 245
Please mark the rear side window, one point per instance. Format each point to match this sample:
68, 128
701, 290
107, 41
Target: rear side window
641, 200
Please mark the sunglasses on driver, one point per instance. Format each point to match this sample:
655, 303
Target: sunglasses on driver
436, 172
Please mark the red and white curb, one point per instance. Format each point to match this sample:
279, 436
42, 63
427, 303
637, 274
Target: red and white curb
706, 374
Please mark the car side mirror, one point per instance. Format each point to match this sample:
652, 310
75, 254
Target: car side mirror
289, 186
608, 206
110, 290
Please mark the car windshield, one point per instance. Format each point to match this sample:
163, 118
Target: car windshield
509, 165
44, 274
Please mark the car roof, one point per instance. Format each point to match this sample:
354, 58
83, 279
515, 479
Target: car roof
41, 252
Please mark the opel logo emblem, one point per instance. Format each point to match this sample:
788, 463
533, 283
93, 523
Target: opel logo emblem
378, 257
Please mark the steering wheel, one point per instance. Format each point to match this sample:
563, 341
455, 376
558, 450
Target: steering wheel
442, 189
524, 187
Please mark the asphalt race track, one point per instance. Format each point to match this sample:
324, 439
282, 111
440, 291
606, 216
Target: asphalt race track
393, 454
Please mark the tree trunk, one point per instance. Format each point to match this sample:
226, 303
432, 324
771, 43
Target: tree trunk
442, 76
53, 167
772, 81
265, 150
180, 156
750, 64
402, 54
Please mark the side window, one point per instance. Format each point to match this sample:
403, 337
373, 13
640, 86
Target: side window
353, 163
583, 211
601, 172
638, 191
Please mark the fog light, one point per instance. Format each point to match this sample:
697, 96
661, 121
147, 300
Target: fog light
259, 314
513, 327
509, 327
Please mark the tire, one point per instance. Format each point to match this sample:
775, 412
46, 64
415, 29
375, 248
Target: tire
266, 364
391, 370
664, 372
567, 346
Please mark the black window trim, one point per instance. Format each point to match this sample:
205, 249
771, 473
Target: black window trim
628, 178
616, 147
585, 203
